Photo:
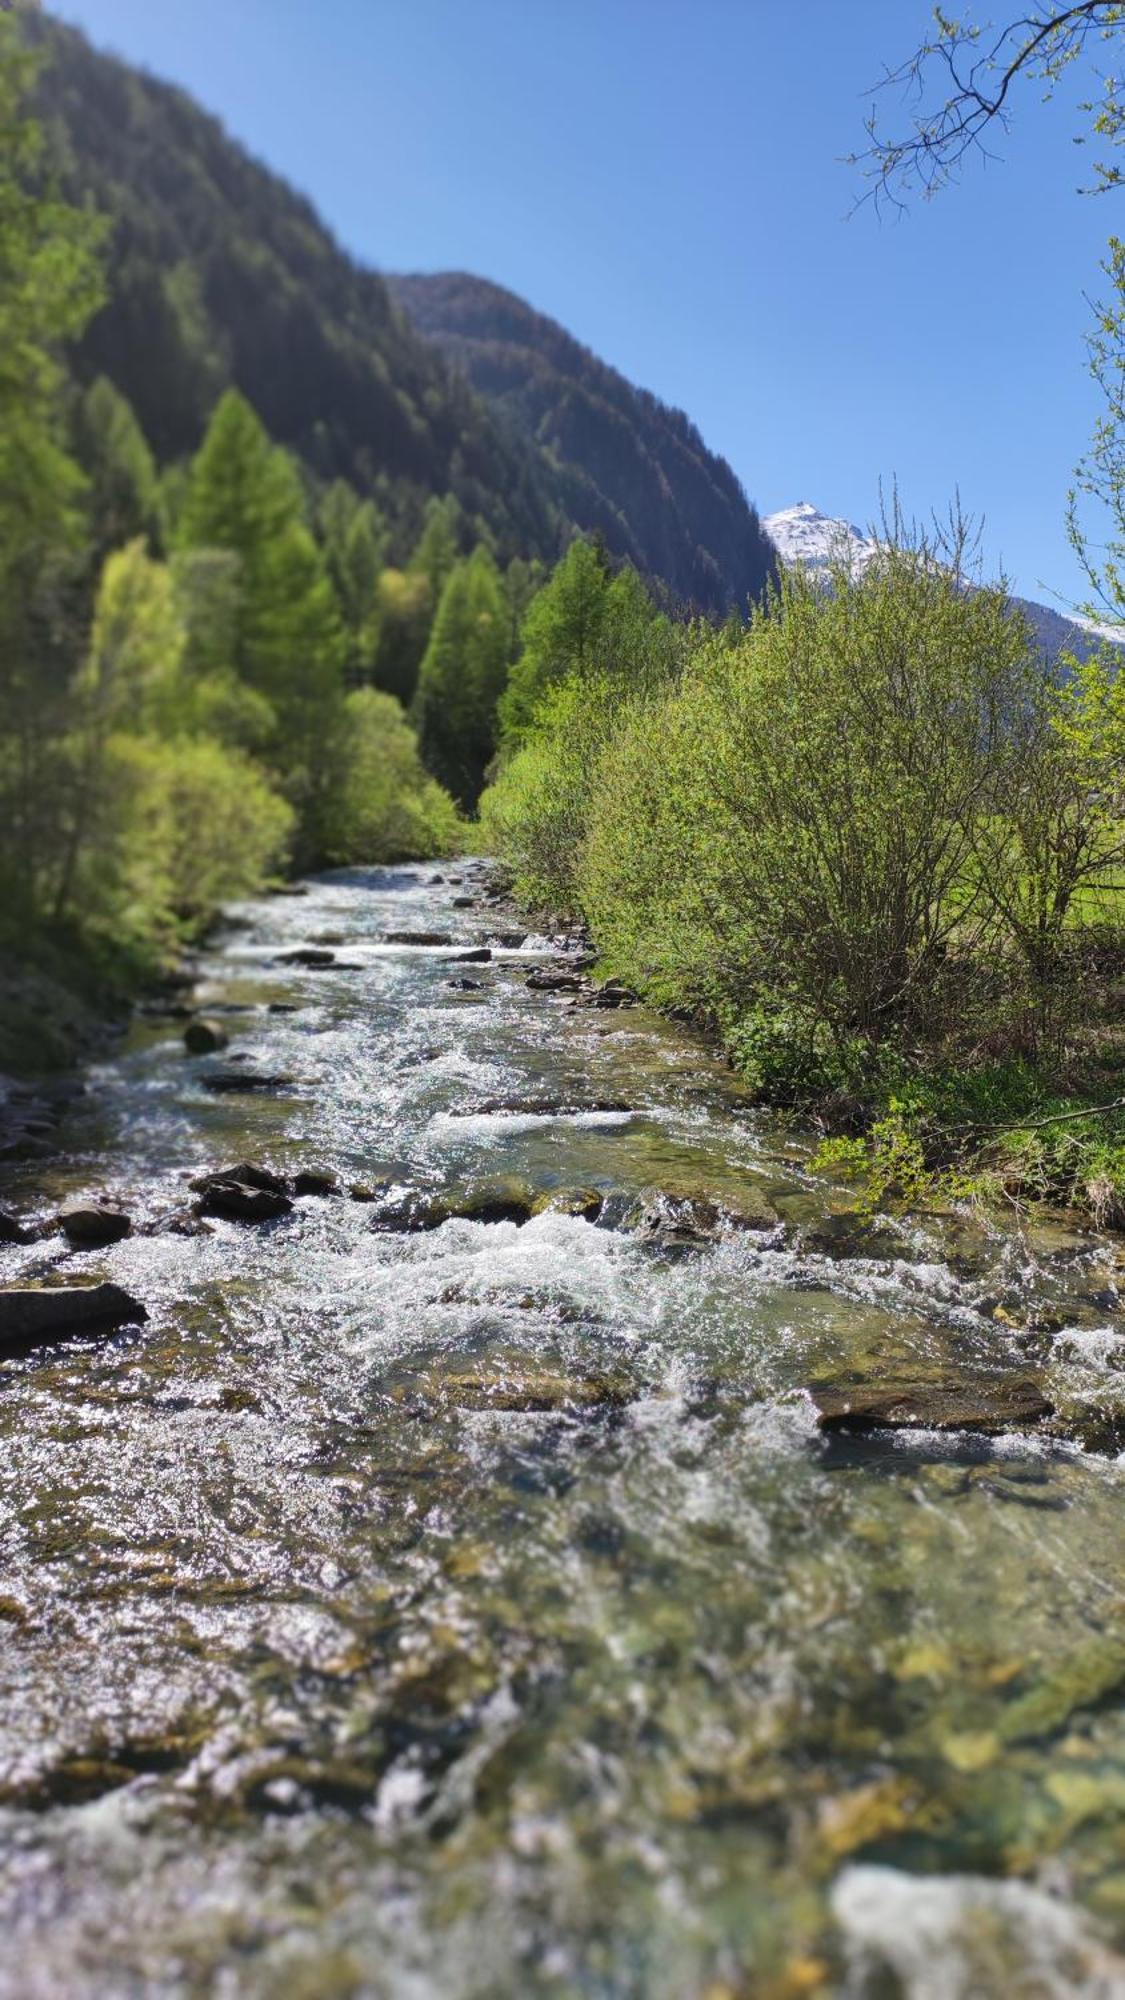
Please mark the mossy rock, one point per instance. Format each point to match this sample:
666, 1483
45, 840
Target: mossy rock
584, 1203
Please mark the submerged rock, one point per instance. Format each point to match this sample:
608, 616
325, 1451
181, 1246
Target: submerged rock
311, 1181
11, 1228
229, 1081
92, 1227
543, 1107
418, 937
31, 1314
989, 1404
203, 1037
283, 1007
493, 1201
671, 1223
584, 1203
313, 957
464, 985
516, 1383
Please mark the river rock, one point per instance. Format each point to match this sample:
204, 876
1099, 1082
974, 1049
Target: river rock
465, 985
584, 1203
510, 940
517, 1384
313, 957
92, 1227
224, 1082
495, 1201
283, 1007
543, 1107
310, 1181
464, 902
243, 1194
989, 1404
11, 1228
546, 980
418, 937
30, 1314
287, 889
203, 1037
478, 955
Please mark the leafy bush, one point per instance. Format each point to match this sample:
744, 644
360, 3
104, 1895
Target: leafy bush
383, 805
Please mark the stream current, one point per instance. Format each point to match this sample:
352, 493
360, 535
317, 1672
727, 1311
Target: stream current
481, 1612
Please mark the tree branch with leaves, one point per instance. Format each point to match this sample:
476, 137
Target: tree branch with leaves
960, 84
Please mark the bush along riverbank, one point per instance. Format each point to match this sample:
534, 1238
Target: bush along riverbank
875, 844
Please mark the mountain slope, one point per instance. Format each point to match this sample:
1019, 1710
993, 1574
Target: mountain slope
803, 534
627, 466
219, 273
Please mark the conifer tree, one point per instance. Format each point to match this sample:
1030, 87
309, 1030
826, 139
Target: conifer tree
244, 495
49, 284
562, 632
463, 676
113, 452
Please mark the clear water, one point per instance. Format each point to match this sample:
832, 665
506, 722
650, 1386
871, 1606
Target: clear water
481, 1613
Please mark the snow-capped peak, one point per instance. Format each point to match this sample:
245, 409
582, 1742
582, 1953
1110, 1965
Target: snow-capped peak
802, 534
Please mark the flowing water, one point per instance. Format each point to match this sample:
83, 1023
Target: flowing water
480, 1612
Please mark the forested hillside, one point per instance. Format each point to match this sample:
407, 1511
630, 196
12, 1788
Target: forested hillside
219, 275
627, 467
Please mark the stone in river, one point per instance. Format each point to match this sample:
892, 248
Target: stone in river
545, 980
243, 1195
224, 1081
499, 1201
246, 1171
31, 1314
92, 1227
11, 1229
283, 1007
464, 902
312, 956
465, 985
990, 1404
310, 1182
478, 955
418, 937
203, 1037
518, 1384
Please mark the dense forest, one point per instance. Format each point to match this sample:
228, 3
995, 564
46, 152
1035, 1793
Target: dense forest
628, 468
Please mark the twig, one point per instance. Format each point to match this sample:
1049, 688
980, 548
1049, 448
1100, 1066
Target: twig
1055, 1118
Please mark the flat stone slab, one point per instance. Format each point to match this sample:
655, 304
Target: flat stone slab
33, 1313
989, 1404
419, 937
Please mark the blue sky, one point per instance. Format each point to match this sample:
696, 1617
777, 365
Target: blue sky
665, 177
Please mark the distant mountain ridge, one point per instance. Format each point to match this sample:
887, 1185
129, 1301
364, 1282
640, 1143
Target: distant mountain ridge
627, 466
802, 534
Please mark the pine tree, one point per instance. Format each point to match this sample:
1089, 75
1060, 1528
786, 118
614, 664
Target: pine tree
562, 633
463, 676
114, 454
288, 643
